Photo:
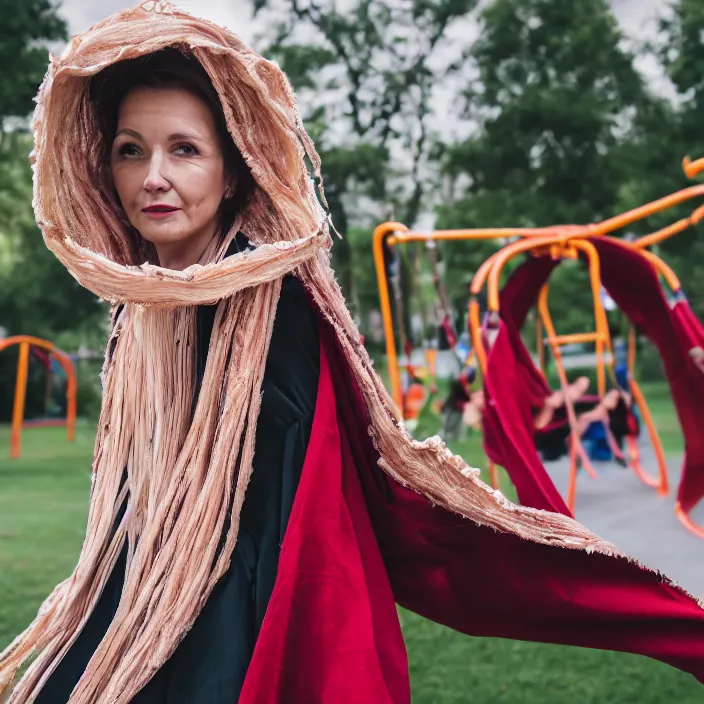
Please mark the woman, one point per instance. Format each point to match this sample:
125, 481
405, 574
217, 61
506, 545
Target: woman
160, 607
182, 183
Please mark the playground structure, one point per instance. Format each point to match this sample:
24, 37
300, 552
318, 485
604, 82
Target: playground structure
422, 377
26, 343
501, 353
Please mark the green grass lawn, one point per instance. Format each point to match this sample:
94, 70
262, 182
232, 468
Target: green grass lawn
659, 401
43, 506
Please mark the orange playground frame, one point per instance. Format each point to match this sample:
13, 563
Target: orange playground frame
25, 342
558, 242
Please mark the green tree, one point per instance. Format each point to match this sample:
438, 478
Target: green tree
27, 26
681, 52
37, 295
666, 132
552, 101
365, 77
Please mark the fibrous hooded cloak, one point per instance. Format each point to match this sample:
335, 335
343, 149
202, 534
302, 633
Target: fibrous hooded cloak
424, 532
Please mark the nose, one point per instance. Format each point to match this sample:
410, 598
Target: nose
156, 179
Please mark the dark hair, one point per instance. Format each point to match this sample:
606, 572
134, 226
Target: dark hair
170, 68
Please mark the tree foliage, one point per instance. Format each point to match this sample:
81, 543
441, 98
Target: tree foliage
26, 27
552, 101
366, 74
37, 295
667, 131
556, 126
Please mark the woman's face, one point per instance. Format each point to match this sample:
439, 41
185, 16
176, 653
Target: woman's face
168, 169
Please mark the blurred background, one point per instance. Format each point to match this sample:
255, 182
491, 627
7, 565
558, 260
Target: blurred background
434, 113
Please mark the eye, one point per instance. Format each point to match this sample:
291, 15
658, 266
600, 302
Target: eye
128, 150
186, 150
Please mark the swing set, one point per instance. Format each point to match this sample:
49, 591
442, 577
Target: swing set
415, 395
46, 352
642, 285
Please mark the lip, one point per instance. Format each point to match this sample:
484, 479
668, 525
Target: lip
160, 210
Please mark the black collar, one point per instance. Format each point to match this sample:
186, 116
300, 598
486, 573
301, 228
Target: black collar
239, 244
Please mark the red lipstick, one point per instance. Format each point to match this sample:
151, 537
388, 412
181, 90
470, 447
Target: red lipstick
160, 210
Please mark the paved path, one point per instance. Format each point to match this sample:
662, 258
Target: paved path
622, 510
632, 516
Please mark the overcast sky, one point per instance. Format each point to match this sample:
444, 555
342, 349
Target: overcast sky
637, 18
635, 15
234, 14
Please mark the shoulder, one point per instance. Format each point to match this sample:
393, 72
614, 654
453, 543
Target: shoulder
293, 360
293, 292
296, 324
294, 314
292, 289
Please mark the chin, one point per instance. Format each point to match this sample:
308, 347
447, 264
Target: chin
163, 238
163, 233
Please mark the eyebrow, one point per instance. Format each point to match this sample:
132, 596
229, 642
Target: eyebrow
172, 137
129, 132
184, 135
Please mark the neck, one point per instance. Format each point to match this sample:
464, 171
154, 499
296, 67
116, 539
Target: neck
178, 256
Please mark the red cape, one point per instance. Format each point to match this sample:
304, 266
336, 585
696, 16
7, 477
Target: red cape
358, 542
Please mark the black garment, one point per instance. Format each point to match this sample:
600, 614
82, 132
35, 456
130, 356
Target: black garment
457, 396
210, 664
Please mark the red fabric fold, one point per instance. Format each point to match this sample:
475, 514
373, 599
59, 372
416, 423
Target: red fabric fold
513, 384
513, 388
633, 284
517, 297
520, 292
689, 399
512, 391
357, 541
331, 632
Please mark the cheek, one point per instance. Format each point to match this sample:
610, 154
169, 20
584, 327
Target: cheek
204, 194
123, 181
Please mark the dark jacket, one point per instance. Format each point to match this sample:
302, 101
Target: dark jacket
210, 663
